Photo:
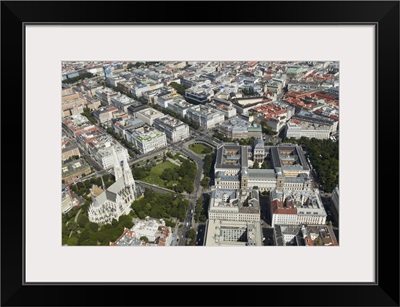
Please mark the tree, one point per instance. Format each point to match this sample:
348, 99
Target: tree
87, 184
205, 182
64, 230
203, 218
72, 241
256, 165
144, 238
82, 220
264, 165
179, 188
207, 166
147, 207
142, 215
207, 150
318, 241
170, 223
85, 235
191, 234
114, 222
178, 87
187, 184
65, 240
93, 226
72, 226
139, 173
89, 242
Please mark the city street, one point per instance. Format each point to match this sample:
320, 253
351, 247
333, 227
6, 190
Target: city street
183, 148
200, 237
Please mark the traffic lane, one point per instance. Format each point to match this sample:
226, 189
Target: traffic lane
326, 201
93, 163
200, 235
268, 236
148, 155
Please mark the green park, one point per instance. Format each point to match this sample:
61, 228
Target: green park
200, 149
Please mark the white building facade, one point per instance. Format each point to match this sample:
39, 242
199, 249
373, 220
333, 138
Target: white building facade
297, 207
296, 129
148, 115
174, 129
205, 116
146, 138
234, 205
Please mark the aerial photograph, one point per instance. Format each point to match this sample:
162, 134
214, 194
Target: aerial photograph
200, 153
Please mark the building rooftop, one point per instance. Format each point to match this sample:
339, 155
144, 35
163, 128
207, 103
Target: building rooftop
246, 201
73, 167
204, 111
170, 121
305, 125
150, 113
296, 202
123, 99
238, 124
146, 133
289, 157
233, 233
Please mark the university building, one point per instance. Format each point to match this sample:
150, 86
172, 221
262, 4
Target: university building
287, 167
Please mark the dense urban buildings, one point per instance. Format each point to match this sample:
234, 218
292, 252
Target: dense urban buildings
258, 138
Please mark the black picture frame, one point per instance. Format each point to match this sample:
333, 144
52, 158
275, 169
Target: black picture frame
15, 15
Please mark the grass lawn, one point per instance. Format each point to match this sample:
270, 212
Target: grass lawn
156, 171
200, 148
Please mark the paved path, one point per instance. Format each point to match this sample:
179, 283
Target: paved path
76, 216
154, 187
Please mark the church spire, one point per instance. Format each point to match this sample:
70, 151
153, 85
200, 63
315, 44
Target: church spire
117, 165
128, 177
